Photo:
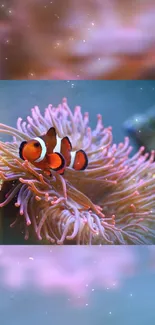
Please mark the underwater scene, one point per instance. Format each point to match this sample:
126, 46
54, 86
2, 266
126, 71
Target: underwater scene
80, 285
77, 162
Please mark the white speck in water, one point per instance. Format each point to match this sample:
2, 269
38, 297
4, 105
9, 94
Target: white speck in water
31, 258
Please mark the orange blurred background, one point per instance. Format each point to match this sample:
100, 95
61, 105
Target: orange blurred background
111, 39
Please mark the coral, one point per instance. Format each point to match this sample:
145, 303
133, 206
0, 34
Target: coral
111, 202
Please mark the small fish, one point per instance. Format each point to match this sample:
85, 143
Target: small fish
51, 152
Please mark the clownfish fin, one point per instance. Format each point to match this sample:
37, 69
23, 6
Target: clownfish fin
66, 148
66, 143
50, 140
56, 161
51, 132
61, 171
47, 173
80, 161
21, 149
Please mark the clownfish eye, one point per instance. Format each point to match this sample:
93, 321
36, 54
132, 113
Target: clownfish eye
36, 145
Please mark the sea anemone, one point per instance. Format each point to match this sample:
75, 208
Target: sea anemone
111, 202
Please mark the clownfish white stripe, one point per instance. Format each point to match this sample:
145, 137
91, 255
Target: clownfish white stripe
43, 151
73, 154
58, 145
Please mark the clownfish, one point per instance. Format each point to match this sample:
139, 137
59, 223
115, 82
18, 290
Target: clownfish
49, 151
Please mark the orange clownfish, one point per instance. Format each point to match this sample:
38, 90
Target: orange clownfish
49, 151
